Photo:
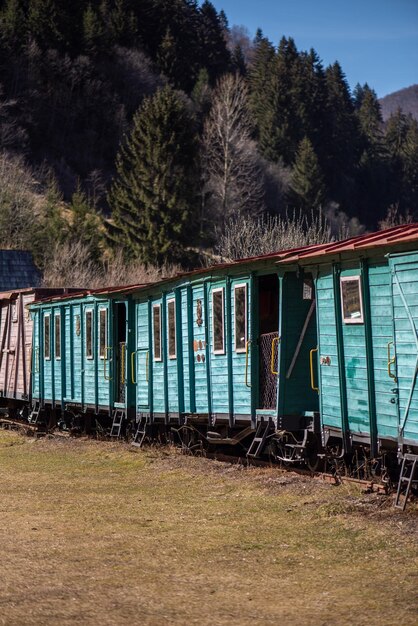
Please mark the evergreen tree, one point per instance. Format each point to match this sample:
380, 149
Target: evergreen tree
410, 178
94, 35
261, 99
373, 174
154, 193
216, 57
84, 223
13, 26
44, 23
343, 139
307, 188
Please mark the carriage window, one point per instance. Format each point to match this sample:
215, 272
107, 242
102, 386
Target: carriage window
47, 336
156, 313
102, 332
57, 320
351, 301
171, 329
240, 298
218, 321
89, 334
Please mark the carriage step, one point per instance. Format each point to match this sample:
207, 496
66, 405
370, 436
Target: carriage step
34, 415
409, 466
259, 440
140, 433
118, 420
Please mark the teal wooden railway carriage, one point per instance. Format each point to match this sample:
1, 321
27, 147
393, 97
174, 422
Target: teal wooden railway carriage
290, 354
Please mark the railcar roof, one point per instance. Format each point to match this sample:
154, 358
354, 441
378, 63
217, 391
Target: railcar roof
405, 233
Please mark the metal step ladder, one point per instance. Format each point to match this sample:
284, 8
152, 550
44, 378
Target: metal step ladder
259, 440
409, 466
118, 419
140, 433
35, 413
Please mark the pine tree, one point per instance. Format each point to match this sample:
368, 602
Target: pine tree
216, 57
410, 178
343, 139
153, 195
94, 35
307, 189
44, 19
84, 224
13, 28
261, 101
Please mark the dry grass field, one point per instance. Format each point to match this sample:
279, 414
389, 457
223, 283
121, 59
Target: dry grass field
98, 533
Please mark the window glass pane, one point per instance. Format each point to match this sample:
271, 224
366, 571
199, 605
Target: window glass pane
58, 336
47, 337
171, 329
351, 300
218, 320
102, 332
89, 334
157, 332
240, 317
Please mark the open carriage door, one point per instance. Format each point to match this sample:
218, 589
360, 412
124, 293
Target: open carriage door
268, 340
403, 355
120, 332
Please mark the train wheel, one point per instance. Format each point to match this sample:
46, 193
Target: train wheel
312, 453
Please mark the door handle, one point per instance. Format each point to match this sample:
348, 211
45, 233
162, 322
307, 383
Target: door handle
390, 363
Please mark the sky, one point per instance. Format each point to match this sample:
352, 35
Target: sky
375, 41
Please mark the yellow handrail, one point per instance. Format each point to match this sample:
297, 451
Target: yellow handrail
247, 345
147, 366
312, 370
273, 371
391, 362
122, 364
133, 367
107, 349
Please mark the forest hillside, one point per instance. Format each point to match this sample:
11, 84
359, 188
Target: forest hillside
138, 137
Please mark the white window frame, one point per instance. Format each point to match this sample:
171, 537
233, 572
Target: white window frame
217, 290
57, 316
355, 320
102, 356
47, 315
240, 350
90, 357
160, 357
171, 355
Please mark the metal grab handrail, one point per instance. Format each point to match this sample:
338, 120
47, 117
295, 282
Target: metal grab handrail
391, 362
147, 367
37, 360
313, 387
133, 367
122, 364
105, 359
273, 371
247, 345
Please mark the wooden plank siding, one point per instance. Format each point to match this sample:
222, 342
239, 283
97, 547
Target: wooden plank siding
405, 313
241, 392
218, 362
327, 347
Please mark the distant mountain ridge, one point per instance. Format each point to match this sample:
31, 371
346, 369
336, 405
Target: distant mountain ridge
405, 99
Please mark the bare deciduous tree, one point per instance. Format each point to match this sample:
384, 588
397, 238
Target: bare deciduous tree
19, 202
70, 265
248, 236
233, 177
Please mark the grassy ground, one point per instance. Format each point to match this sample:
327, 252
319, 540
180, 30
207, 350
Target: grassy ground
97, 533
